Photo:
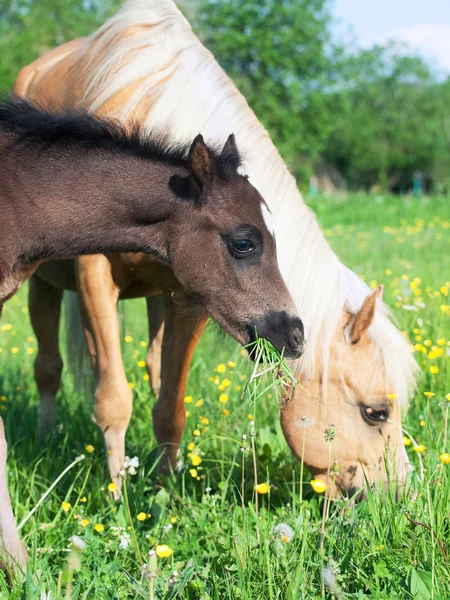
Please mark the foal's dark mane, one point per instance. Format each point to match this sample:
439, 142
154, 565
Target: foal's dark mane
37, 126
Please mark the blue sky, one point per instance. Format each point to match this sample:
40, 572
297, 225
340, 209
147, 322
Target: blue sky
422, 24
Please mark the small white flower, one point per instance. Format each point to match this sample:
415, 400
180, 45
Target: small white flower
124, 542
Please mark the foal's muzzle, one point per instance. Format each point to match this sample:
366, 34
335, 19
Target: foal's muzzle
285, 332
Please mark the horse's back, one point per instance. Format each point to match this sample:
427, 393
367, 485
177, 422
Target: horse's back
46, 81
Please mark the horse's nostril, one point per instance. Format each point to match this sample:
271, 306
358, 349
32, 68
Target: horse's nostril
297, 337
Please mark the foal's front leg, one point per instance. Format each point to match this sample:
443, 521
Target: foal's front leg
182, 331
12, 551
113, 397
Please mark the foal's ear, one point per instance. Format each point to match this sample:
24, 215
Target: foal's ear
230, 153
361, 322
201, 168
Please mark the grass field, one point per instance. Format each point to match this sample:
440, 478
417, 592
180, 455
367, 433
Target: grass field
371, 549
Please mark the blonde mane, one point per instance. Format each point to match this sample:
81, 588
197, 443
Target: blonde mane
174, 84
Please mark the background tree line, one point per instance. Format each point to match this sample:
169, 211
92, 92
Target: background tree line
357, 118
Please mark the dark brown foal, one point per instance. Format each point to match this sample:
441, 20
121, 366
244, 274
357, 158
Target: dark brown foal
72, 185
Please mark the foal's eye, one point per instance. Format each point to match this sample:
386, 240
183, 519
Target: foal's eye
243, 246
373, 415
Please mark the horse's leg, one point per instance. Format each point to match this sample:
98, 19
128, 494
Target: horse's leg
12, 551
113, 397
182, 332
155, 313
44, 301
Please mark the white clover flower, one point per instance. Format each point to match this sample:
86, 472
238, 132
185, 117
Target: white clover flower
124, 542
284, 532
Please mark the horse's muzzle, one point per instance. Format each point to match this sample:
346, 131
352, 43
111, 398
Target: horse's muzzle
284, 331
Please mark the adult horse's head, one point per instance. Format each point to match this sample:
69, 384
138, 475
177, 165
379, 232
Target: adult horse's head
359, 391
224, 252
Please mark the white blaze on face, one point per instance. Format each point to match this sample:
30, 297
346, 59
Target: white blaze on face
268, 219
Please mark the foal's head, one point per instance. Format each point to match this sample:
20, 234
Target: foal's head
358, 400
224, 252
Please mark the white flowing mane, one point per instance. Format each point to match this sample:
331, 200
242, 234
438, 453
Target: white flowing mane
185, 91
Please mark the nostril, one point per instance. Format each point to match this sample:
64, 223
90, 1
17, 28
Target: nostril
297, 337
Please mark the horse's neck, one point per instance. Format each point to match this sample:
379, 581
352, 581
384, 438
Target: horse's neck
69, 202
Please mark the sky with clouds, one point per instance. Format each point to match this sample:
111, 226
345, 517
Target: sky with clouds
422, 24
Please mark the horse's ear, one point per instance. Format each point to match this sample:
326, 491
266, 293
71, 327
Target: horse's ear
230, 153
362, 320
201, 168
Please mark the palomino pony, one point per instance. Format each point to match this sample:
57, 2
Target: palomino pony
357, 370
74, 184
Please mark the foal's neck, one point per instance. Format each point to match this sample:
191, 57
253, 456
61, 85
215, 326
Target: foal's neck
74, 201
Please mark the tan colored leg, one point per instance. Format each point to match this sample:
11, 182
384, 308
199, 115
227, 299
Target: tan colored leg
182, 331
113, 398
44, 302
155, 313
12, 551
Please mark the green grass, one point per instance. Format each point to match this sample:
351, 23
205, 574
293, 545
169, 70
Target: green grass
374, 550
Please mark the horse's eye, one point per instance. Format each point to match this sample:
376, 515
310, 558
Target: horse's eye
375, 414
243, 246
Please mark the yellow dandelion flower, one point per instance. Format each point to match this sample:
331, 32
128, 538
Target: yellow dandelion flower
83, 499
231, 364
204, 421
143, 344
238, 388
205, 429
429, 394
99, 528
84, 522
199, 402
243, 377
244, 353
131, 385
262, 488
141, 516
221, 388
445, 458
112, 487
444, 290
30, 350
221, 368
188, 414
128, 339
30, 339
141, 364
196, 432
419, 449
226, 383
434, 369
89, 449
441, 342
445, 308
285, 539
406, 441
7, 327
163, 551
226, 412
388, 272
193, 473
3, 398
447, 397
196, 460
173, 520
65, 506
146, 377
318, 485
188, 399
15, 350
392, 396
191, 446
422, 423
251, 418
223, 398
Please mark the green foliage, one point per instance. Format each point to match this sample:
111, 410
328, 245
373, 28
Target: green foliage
29, 28
376, 552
